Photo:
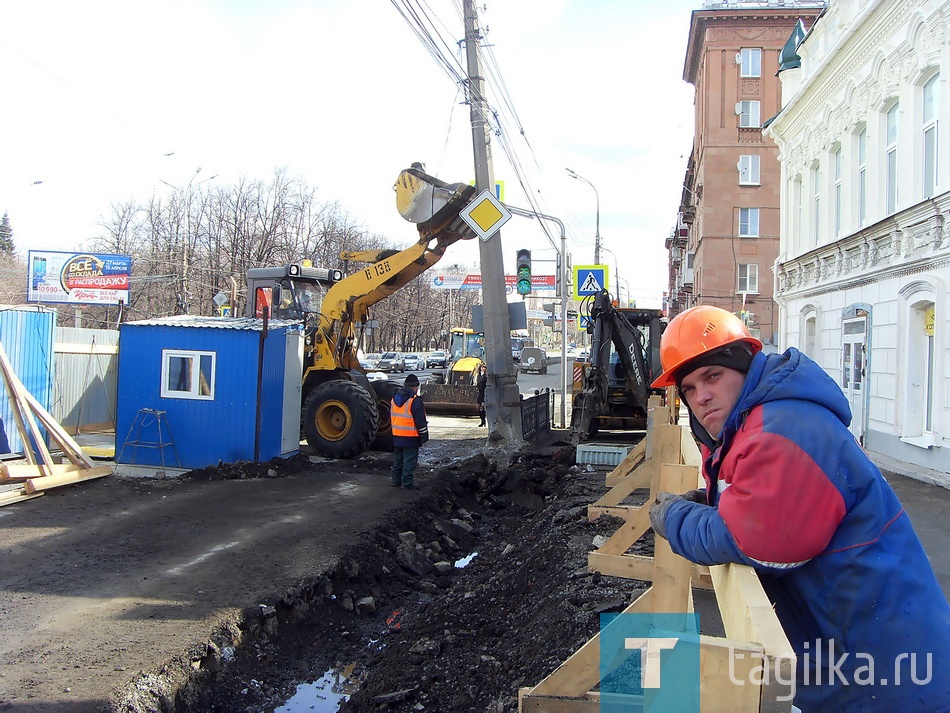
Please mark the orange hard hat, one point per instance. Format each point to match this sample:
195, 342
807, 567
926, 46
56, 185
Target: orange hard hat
698, 331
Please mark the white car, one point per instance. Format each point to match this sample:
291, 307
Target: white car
377, 376
413, 362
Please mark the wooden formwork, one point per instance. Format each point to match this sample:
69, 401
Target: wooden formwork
40, 472
749, 670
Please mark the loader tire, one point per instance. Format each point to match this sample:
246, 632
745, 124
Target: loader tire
385, 390
340, 419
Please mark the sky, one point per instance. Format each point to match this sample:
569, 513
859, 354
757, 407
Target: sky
107, 101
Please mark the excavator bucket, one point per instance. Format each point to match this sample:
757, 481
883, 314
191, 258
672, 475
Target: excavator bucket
450, 400
432, 204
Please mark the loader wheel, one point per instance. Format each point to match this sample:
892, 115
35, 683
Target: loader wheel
385, 390
340, 419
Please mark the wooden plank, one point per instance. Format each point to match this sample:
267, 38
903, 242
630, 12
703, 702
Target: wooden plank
728, 686
627, 465
70, 447
671, 572
530, 703
19, 402
747, 614
627, 534
16, 496
54, 481
624, 512
25, 471
641, 477
581, 672
623, 566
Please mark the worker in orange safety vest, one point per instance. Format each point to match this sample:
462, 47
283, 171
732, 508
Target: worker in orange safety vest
410, 431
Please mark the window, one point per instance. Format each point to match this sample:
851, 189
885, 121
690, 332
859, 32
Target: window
749, 222
748, 278
862, 176
187, 375
815, 202
798, 231
837, 195
750, 60
890, 160
748, 112
749, 170
930, 113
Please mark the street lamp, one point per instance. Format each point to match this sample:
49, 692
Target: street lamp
572, 174
616, 270
563, 277
183, 299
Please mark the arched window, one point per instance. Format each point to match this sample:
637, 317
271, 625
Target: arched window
890, 159
930, 115
861, 189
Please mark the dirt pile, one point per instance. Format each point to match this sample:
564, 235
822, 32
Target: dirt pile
419, 632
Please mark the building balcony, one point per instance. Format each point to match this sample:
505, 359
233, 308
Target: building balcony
750, 135
906, 242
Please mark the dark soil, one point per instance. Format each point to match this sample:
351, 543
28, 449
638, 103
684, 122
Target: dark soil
418, 633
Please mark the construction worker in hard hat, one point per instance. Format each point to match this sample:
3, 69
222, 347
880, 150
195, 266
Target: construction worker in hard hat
790, 492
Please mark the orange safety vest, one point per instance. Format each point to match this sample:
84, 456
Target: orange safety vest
403, 424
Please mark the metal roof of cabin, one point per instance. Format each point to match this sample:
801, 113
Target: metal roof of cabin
194, 320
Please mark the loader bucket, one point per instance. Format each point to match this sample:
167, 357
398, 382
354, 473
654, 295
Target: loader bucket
449, 400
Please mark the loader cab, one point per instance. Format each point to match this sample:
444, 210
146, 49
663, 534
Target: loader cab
293, 292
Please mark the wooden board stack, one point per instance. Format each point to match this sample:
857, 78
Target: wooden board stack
40, 472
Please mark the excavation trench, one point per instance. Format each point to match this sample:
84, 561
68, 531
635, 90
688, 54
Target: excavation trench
477, 587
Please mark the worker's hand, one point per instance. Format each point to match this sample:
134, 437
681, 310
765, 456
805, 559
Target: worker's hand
659, 509
696, 496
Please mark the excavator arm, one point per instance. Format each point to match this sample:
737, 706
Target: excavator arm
422, 199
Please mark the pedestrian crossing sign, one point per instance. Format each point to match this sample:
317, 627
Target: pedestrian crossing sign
589, 280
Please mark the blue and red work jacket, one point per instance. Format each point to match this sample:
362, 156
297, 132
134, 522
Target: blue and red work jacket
791, 493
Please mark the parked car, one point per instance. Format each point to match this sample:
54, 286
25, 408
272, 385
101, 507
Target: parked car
534, 359
437, 360
391, 361
413, 362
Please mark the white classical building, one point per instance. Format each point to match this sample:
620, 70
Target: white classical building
864, 257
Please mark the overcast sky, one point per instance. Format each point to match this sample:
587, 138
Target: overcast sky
104, 100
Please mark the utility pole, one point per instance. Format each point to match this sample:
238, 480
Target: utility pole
502, 398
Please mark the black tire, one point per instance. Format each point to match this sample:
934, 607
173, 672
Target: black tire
385, 390
340, 419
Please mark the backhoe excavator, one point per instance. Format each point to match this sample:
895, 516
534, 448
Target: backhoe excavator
343, 412
624, 355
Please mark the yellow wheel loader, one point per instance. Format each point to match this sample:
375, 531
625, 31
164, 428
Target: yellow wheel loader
453, 391
343, 412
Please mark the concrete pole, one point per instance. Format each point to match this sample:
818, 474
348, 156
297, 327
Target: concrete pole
502, 398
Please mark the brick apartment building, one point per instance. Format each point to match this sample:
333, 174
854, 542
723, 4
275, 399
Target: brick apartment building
726, 240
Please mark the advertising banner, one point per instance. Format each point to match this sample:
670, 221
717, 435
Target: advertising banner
539, 283
78, 278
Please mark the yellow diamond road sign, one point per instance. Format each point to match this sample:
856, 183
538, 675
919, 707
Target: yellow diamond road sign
485, 214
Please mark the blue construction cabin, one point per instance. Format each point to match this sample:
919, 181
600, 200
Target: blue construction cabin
27, 333
188, 391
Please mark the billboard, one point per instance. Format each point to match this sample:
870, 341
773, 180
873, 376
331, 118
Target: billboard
78, 278
471, 281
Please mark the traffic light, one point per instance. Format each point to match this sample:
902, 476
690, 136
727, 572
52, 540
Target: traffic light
524, 272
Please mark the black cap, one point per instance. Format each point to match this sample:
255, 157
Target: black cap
736, 356
411, 380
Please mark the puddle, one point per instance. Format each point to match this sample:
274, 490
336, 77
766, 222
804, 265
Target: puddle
465, 561
324, 695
